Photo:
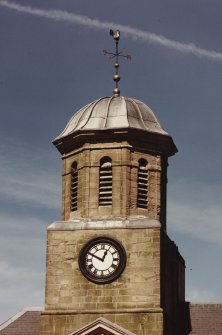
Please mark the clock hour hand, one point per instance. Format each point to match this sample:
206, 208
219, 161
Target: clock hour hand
105, 253
99, 258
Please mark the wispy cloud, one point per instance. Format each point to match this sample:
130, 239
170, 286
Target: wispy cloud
198, 295
28, 177
19, 225
22, 263
20, 287
196, 211
130, 32
43, 193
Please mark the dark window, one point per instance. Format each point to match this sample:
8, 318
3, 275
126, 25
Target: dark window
142, 184
74, 187
105, 182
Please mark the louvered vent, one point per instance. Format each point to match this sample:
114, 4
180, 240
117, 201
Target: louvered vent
105, 182
142, 184
74, 187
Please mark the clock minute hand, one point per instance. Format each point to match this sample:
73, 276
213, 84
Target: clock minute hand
99, 258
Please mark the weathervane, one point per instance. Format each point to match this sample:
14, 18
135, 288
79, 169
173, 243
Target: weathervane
117, 54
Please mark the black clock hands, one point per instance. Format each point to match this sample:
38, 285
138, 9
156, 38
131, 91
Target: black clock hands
99, 258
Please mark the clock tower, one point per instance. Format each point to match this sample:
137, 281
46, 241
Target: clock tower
111, 268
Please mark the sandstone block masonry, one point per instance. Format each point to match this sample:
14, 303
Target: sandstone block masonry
124, 162
138, 286
131, 301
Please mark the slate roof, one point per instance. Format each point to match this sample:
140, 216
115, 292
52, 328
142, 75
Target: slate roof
205, 318
26, 322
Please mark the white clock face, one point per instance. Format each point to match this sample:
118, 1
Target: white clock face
102, 260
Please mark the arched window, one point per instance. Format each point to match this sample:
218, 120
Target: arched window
105, 182
74, 187
142, 184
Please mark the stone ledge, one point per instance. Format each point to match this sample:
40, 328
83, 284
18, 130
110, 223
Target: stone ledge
94, 224
103, 311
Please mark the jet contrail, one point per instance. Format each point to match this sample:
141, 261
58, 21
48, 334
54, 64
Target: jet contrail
130, 32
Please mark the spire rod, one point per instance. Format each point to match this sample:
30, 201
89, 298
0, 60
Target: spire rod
116, 55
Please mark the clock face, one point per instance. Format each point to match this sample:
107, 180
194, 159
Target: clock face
102, 260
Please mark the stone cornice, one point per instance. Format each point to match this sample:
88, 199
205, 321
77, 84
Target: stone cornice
94, 224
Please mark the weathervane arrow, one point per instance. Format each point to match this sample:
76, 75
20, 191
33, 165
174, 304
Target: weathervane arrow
116, 36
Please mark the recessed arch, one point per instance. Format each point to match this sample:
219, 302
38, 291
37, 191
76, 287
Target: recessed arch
105, 181
74, 187
142, 184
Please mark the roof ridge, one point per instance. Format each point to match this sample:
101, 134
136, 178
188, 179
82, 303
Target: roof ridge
206, 303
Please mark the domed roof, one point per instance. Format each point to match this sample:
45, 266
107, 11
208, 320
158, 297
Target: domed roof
112, 113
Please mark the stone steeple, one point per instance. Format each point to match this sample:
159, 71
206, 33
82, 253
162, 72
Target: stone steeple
111, 268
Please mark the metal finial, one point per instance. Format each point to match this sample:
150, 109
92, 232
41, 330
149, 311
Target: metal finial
117, 54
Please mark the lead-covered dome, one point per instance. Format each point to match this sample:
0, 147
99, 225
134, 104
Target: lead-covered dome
115, 119
112, 113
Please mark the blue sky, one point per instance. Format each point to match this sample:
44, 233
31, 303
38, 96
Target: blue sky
51, 65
